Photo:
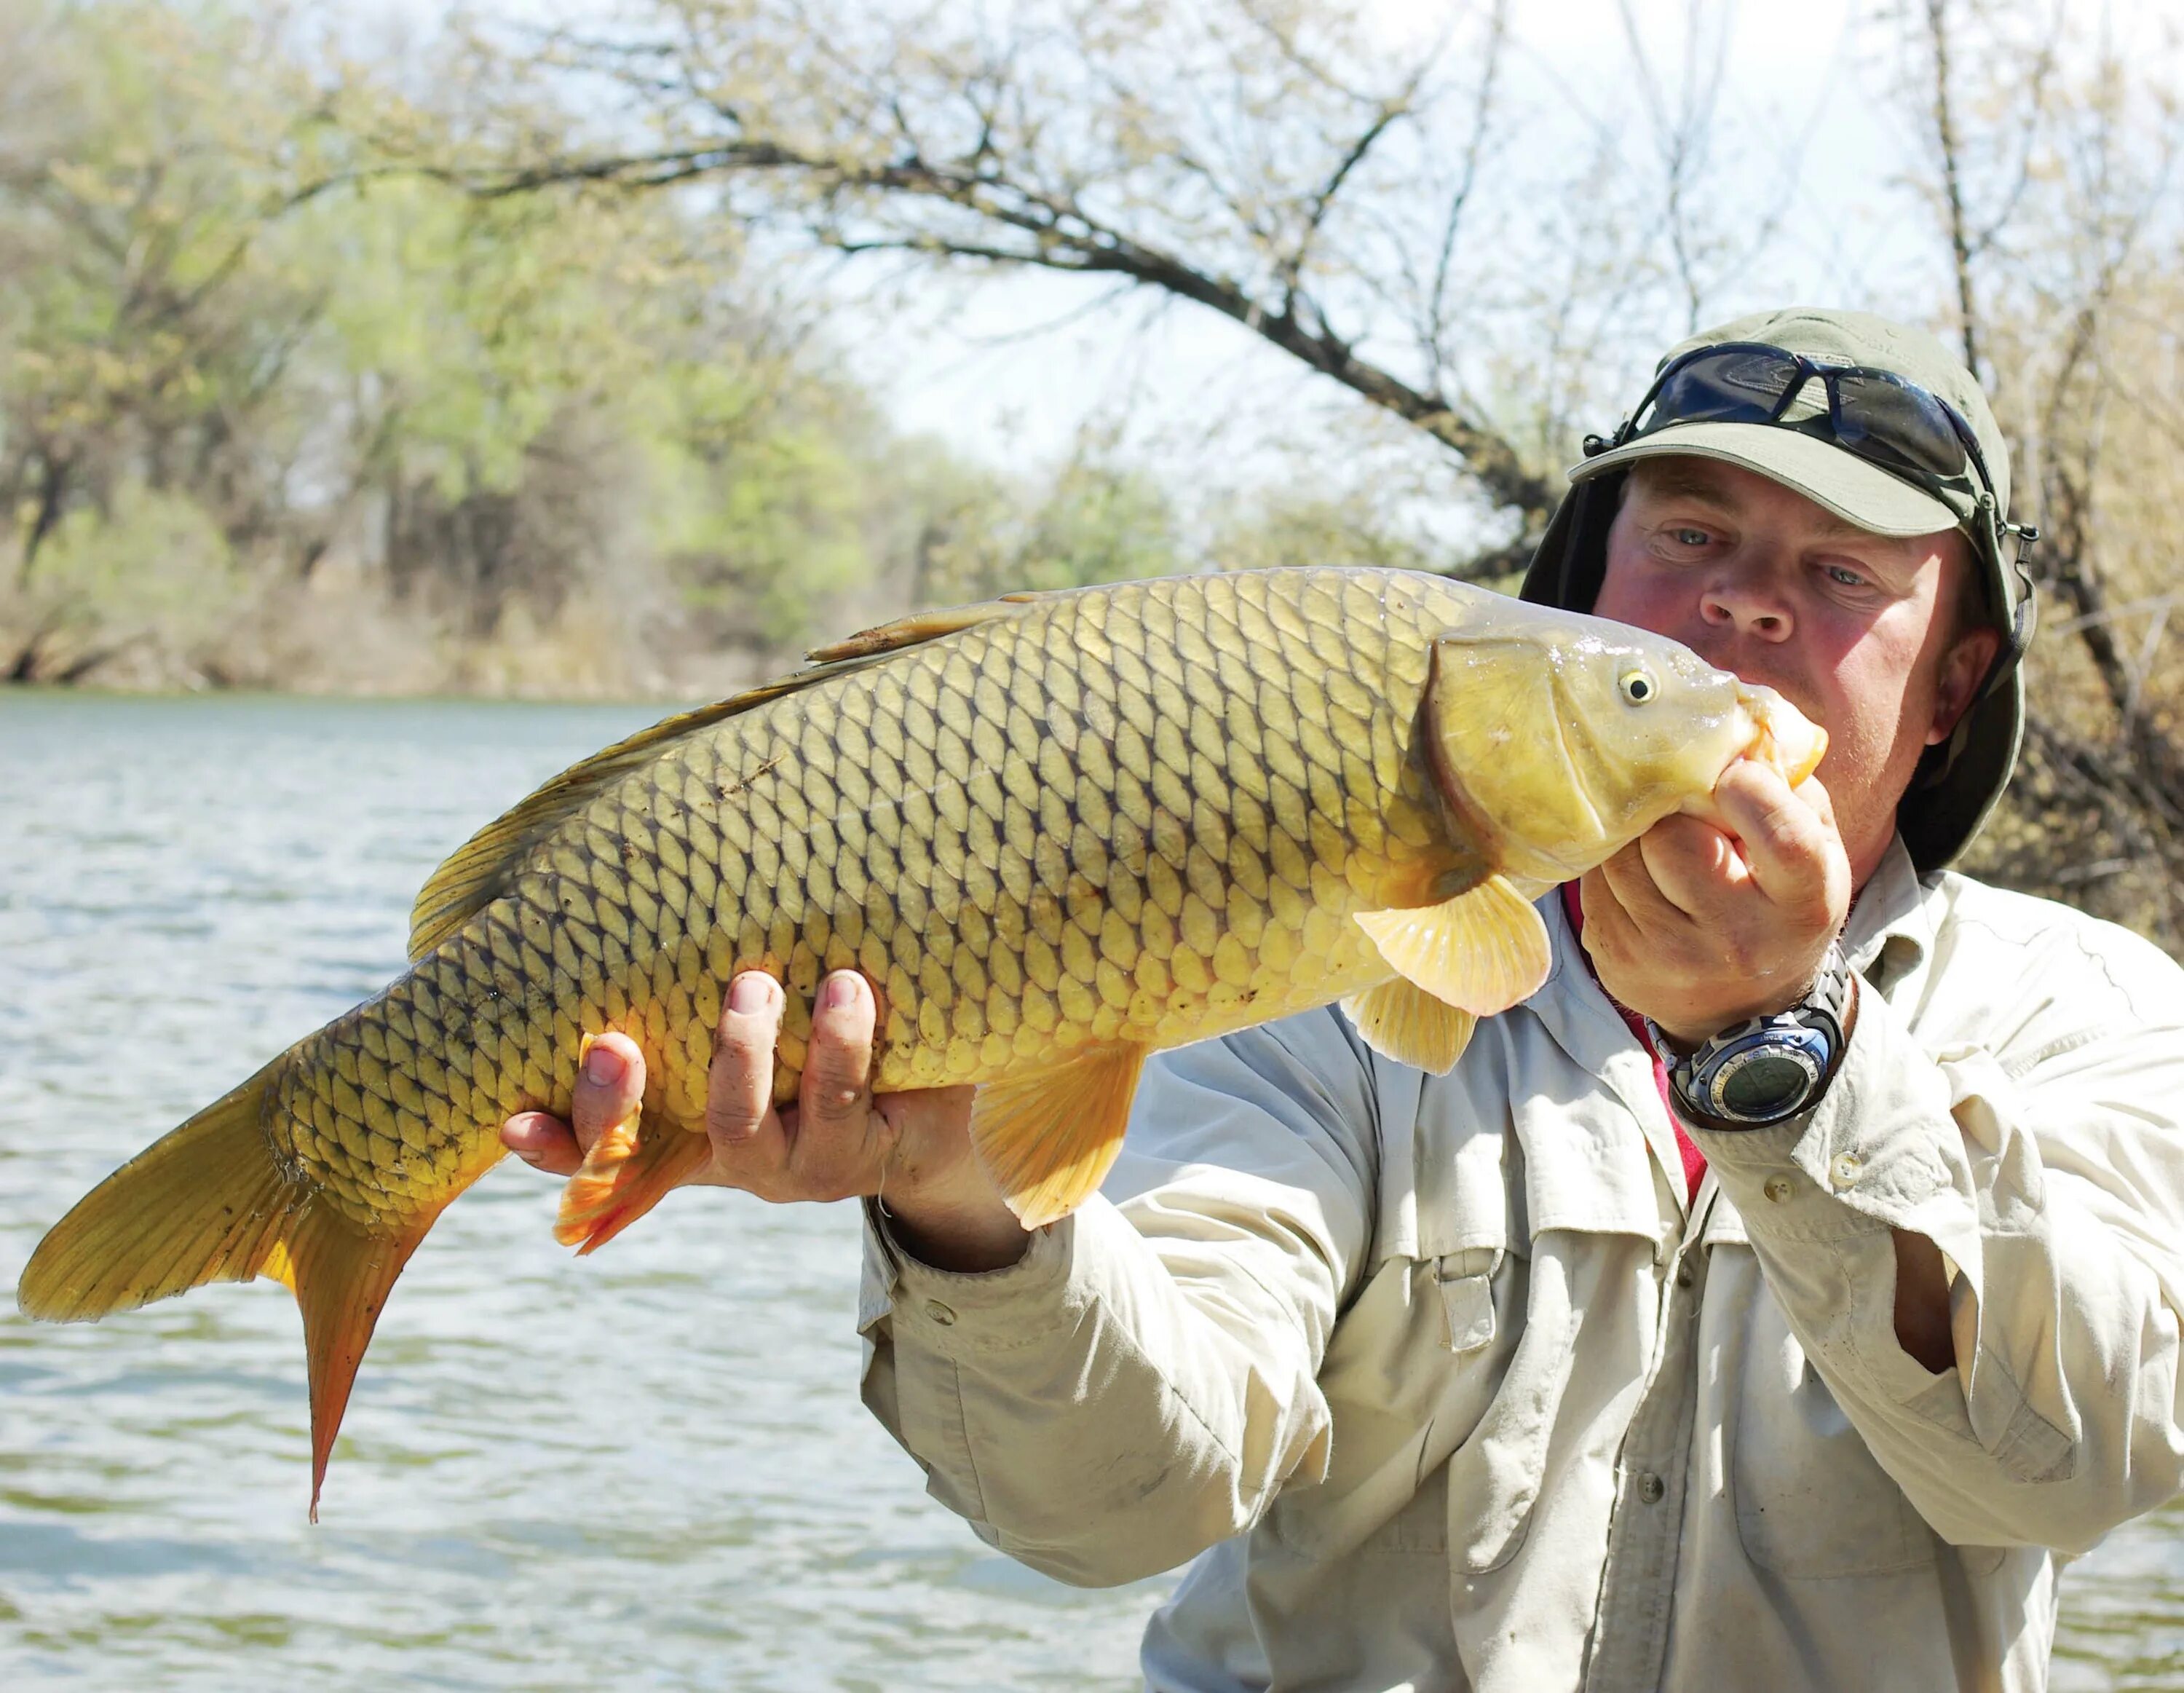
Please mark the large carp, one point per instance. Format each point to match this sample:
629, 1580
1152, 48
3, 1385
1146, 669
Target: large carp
1057, 832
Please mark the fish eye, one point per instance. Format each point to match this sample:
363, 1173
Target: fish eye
1638, 686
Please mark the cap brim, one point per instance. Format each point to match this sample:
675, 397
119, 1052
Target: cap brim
1855, 491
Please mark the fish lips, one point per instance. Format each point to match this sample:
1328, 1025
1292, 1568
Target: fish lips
1784, 738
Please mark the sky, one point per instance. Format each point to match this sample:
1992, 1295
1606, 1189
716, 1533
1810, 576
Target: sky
1010, 369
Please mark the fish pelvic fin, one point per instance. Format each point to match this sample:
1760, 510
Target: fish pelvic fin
209, 1202
1401, 1020
1049, 1138
630, 1169
1481, 952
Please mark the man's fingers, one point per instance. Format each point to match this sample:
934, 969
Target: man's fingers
1791, 846
609, 1086
1693, 865
1636, 874
834, 1120
739, 1088
542, 1142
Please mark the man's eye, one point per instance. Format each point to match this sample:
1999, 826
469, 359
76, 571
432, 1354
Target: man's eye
1690, 538
1846, 579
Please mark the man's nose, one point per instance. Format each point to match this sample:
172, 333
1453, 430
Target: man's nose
1751, 602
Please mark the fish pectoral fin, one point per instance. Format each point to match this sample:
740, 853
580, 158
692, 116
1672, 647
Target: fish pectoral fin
1481, 952
1401, 1020
631, 1168
1049, 1138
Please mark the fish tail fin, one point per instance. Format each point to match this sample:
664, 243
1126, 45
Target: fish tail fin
340, 1275
209, 1201
630, 1169
204, 1203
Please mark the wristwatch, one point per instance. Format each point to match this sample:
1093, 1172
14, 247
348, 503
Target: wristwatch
1767, 1069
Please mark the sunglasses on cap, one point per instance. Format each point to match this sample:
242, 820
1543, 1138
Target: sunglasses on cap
1875, 415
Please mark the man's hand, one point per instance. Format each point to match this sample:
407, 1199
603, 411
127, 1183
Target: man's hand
840, 1140
1699, 925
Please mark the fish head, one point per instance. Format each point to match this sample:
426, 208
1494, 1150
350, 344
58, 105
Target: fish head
1556, 743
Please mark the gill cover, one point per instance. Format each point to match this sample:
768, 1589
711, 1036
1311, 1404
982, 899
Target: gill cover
1500, 753
1554, 748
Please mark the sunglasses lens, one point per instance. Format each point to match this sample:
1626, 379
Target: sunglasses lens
1742, 385
1893, 424
1883, 419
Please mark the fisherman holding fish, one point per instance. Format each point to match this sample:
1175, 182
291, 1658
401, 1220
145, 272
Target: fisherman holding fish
1776, 1298
1605, 1206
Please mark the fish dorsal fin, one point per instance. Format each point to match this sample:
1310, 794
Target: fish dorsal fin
482, 869
920, 627
1049, 1138
1401, 1020
1481, 952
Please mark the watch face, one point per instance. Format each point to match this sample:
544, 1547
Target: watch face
1764, 1082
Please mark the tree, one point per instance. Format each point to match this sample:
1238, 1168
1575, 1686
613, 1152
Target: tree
2050, 178
260, 402
1350, 198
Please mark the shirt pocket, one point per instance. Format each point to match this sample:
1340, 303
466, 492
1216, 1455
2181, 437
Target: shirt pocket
1812, 1501
1495, 1474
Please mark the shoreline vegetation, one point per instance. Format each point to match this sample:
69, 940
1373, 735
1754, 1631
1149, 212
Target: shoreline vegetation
507, 360
274, 415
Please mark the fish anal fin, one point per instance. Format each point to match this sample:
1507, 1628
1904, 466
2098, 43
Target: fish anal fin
1481, 952
341, 1275
1401, 1020
631, 1168
1049, 1138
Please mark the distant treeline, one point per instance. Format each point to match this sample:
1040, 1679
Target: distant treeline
271, 415
457, 366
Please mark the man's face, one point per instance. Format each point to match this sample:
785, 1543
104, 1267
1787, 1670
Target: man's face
1856, 629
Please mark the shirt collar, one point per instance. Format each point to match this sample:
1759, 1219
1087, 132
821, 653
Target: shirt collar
1889, 935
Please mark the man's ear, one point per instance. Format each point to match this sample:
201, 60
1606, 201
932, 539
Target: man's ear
1964, 667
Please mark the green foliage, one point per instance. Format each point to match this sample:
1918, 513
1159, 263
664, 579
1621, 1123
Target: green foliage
151, 560
227, 321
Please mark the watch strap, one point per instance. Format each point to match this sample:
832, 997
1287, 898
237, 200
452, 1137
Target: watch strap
1808, 1038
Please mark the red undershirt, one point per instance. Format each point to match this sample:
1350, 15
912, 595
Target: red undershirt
1694, 1159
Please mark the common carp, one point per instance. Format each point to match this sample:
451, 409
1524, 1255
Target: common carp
1057, 832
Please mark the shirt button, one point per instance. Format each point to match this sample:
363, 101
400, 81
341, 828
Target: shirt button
1777, 1189
1650, 1488
940, 1313
1846, 1170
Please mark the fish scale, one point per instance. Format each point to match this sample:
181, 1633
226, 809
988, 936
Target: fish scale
1056, 832
1045, 830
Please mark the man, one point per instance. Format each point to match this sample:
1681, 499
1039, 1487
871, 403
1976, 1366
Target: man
1790, 1361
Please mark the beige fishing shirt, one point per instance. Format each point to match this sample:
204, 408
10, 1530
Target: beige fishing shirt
1444, 1386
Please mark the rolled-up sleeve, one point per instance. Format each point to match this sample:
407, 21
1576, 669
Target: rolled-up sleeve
1141, 1382
2050, 1169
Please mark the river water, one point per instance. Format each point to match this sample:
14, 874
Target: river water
644, 1469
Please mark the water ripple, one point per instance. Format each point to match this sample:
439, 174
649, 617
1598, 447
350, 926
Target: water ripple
649, 1469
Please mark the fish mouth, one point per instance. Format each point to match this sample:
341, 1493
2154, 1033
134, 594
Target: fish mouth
1784, 738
